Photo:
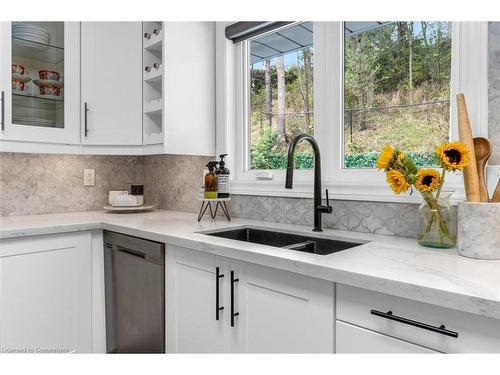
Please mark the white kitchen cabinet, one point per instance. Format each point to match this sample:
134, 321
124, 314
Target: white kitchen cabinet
281, 312
276, 311
111, 74
422, 324
191, 302
46, 293
189, 88
29, 114
352, 339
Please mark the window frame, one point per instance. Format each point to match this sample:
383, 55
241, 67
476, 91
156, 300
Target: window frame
469, 74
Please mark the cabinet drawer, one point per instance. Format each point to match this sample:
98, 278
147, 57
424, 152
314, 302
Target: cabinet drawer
353, 339
475, 333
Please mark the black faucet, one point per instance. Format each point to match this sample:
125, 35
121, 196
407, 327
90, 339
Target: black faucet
318, 206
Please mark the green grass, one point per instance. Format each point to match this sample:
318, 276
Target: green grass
412, 130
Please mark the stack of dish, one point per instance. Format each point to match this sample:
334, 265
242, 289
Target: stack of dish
49, 84
33, 121
19, 79
31, 33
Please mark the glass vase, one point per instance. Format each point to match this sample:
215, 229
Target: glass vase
437, 222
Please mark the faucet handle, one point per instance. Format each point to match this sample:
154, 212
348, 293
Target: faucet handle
329, 209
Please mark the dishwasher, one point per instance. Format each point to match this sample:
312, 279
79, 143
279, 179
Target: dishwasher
134, 274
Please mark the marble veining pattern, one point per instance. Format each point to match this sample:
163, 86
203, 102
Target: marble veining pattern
387, 264
478, 230
494, 90
47, 183
173, 181
398, 219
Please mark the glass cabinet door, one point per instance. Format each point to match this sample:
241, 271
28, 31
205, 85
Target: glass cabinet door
37, 74
40, 82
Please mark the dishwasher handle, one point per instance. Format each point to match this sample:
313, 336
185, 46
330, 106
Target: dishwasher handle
135, 253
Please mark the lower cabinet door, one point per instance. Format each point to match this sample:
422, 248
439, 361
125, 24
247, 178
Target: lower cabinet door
353, 339
280, 312
45, 294
192, 325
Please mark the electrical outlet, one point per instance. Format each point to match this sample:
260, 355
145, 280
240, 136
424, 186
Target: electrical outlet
89, 177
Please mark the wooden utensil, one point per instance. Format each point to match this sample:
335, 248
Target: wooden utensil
482, 149
496, 194
471, 178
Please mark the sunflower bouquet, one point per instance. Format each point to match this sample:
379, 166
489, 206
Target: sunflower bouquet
438, 229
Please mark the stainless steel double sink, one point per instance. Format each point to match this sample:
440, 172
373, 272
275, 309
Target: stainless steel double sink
292, 241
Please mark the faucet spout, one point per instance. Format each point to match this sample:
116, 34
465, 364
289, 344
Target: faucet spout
318, 207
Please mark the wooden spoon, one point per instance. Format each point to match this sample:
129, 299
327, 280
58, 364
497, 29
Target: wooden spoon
482, 149
496, 194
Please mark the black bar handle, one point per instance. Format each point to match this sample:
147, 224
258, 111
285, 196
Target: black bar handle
233, 314
3, 110
131, 252
85, 110
441, 329
218, 308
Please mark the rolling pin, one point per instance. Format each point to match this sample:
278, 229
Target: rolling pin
471, 178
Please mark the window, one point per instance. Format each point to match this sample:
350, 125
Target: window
396, 89
281, 96
360, 80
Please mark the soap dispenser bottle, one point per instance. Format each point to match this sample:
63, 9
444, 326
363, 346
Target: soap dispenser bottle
211, 181
222, 178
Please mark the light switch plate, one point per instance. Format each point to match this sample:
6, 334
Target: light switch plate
89, 177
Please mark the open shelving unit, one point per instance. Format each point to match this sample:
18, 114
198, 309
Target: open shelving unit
153, 91
29, 107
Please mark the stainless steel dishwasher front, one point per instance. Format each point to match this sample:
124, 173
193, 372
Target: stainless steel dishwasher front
135, 294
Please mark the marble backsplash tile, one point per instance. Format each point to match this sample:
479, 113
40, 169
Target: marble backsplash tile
397, 219
494, 90
173, 181
46, 183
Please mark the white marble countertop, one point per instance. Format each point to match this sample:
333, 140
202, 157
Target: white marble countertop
393, 265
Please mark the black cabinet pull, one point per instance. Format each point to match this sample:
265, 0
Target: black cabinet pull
441, 329
218, 308
85, 111
233, 314
3, 110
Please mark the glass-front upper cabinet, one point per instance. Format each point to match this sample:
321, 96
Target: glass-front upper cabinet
40, 85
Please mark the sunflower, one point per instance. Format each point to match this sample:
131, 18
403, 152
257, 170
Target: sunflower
453, 156
385, 157
428, 180
397, 181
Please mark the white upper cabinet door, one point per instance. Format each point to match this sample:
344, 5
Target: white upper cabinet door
39, 107
190, 88
192, 325
45, 293
111, 75
281, 312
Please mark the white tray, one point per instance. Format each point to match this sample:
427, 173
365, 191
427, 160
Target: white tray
129, 209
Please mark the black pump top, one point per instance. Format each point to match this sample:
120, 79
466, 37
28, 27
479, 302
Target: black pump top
212, 165
222, 162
